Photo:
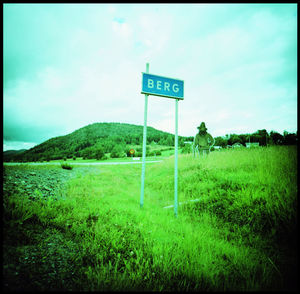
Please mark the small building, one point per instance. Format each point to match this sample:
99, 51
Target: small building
254, 144
237, 145
136, 158
217, 147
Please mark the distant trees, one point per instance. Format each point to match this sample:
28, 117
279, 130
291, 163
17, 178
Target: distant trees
261, 136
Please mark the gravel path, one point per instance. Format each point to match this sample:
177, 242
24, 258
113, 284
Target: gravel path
41, 181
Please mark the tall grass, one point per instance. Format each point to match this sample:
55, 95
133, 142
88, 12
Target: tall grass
263, 178
225, 241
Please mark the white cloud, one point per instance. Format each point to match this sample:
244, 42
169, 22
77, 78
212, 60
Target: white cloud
17, 145
122, 29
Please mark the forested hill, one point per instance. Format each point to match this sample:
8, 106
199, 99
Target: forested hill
94, 140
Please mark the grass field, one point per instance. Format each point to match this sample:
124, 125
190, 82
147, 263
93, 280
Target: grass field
240, 234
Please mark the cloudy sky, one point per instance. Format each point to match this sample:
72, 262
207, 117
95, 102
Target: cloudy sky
70, 65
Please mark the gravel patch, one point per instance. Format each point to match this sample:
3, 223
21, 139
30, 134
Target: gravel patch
40, 181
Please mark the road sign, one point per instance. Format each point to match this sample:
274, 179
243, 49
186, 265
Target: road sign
162, 86
165, 87
131, 151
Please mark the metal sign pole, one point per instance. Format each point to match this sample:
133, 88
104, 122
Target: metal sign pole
176, 161
165, 87
144, 145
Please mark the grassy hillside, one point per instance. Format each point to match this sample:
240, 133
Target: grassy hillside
240, 234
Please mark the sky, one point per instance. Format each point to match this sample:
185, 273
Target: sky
69, 65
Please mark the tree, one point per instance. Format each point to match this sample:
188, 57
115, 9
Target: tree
220, 141
87, 153
170, 140
289, 138
117, 152
99, 153
262, 137
276, 138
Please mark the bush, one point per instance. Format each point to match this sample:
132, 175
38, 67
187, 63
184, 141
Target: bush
187, 149
66, 166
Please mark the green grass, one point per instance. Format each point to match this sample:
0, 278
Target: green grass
238, 236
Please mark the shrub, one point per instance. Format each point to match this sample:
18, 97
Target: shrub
66, 166
187, 149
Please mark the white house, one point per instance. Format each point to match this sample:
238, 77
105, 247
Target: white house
237, 145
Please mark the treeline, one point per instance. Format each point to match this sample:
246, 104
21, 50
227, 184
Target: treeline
261, 136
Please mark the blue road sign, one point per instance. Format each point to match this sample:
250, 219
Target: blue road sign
162, 86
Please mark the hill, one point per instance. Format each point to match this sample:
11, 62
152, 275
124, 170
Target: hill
94, 140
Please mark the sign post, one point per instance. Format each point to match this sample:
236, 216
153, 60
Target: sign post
176, 161
164, 87
144, 145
